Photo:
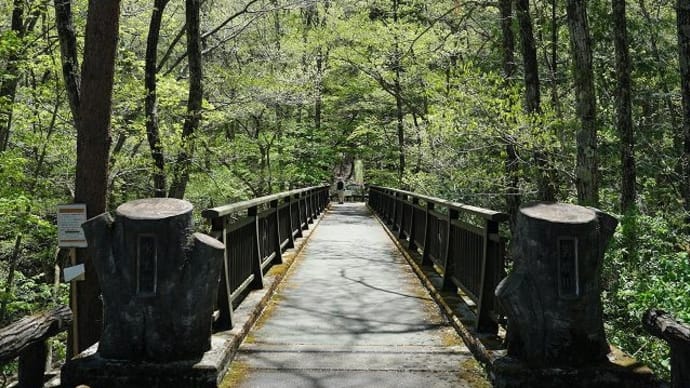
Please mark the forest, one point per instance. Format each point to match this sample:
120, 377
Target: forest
489, 103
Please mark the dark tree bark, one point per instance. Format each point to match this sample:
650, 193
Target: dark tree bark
545, 188
508, 42
25, 15
683, 20
653, 38
399, 113
8, 87
93, 145
151, 108
623, 106
529, 57
191, 122
68, 55
512, 166
586, 169
555, 99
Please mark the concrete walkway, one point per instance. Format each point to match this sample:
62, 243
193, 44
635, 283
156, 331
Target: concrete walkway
352, 314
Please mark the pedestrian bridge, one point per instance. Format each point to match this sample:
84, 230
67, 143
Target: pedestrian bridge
352, 313
397, 291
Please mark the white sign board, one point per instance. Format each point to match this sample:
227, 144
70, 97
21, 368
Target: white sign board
69, 220
75, 272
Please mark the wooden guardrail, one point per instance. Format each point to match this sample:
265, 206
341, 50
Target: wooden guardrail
27, 338
469, 255
677, 335
256, 233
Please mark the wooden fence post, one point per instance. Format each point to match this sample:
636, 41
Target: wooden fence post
258, 281
449, 260
276, 246
485, 324
427, 231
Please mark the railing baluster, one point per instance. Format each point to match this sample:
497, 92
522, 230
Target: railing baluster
413, 225
278, 259
485, 323
471, 255
257, 258
224, 321
449, 256
427, 229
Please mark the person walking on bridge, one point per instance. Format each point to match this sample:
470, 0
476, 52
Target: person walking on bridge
340, 189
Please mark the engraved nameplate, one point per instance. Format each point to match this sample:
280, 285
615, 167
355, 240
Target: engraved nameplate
568, 276
147, 264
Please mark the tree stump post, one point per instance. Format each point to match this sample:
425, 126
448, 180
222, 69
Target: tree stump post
552, 297
159, 281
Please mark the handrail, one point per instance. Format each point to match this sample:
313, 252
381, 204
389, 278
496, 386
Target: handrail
677, 334
224, 210
474, 210
26, 339
257, 239
469, 257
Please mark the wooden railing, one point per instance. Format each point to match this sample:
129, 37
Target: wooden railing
27, 339
470, 255
677, 335
256, 233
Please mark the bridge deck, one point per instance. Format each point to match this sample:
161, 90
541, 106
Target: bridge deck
351, 313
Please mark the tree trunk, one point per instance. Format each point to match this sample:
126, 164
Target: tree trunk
529, 57
8, 86
399, 114
661, 72
93, 145
586, 168
68, 55
152, 130
9, 284
191, 122
545, 188
511, 163
555, 99
623, 107
683, 19
508, 49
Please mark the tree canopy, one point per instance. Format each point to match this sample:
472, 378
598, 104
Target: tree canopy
488, 103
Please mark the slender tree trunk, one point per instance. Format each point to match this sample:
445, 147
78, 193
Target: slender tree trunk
8, 86
191, 122
673, 117
586, 169
683, 20
399, 113
623, 107
529, 56
151, 104
545, 188
68, 55
93, 145
9, 283
319, 90
512, 165
555, 99
508, 49
400, 116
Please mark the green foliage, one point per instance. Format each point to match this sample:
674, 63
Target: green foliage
645, 268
